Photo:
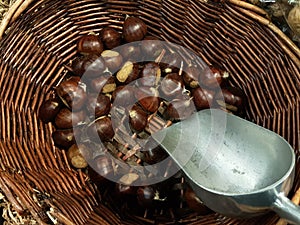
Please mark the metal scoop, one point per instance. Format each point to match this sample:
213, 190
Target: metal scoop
235, 167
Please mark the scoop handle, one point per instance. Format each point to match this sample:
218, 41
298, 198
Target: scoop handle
286, 209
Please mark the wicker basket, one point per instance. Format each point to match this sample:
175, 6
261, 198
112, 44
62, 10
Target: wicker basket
36, 179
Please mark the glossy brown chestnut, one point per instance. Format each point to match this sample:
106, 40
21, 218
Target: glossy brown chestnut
153, 153
113, 60
137, 119
89, 65
101, 128
148, 98
103, 84
128, 73
150, 75
98, 105
131, 52
72, 93
78, 156
124, 96
49, 109
203, 98
151, 47
66, 119
110, 37
234, 98
171, 86
102, 164
134, 29
171, 63
90, 44
63, 138
213, 77
191, 76
180, 109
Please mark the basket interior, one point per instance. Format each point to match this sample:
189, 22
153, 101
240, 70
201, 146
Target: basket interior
38, 47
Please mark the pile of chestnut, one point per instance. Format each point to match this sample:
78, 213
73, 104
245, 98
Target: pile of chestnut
113, 92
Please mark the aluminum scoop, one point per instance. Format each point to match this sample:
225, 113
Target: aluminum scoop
235, 167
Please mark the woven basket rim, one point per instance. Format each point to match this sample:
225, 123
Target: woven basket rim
22, 137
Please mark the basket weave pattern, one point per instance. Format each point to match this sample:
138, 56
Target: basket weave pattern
36, 176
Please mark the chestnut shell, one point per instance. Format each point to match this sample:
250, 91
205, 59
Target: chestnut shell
90, 44
110, 37
72, 92
49, 109
134, 29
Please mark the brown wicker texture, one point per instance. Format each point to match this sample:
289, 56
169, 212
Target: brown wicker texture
35, 176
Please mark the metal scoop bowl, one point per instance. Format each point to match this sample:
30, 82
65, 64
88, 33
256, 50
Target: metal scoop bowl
235, 167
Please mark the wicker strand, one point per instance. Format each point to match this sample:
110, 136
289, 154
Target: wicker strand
8, 16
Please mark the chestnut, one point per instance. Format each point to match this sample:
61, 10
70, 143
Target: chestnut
128, 73
63, 138
151, 47
171, 63
191, 76
95, 176
234, 98
134, 29
72, 93
213, 77
113, 60
101, 128
104, 84
102, 165
203, 98
90, 44
180, 109
171, 86
148, 98
153, 152
66, 119
137, 119
49, 109
145, 196
98, 105
150, 75
78, 156
110, 37
89, 65
124, 96
131, 52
